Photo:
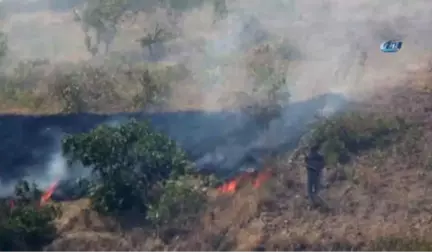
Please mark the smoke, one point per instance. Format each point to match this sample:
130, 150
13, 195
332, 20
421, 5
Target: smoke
52, 168
338, 47
329, 34
56, 169
322, 47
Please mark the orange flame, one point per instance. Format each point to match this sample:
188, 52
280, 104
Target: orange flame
261, 178
48, 193
228, 187
257, 179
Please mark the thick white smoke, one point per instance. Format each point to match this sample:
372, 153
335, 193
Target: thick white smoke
56, 169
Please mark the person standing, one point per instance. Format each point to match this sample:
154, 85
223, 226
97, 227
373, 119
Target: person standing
315, 163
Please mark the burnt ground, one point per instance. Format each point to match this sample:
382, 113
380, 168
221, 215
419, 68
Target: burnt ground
216, 140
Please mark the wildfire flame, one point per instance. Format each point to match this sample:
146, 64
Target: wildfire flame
261, 178
46, 196
257, 179
48, 193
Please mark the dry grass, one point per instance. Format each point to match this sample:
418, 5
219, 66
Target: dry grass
386, 197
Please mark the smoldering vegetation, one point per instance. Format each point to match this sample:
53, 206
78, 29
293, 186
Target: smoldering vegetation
324, 53
219, 142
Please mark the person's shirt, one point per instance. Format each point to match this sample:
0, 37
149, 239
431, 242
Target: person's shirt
315, 161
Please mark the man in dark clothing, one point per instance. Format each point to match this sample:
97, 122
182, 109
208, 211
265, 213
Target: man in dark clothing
315, 164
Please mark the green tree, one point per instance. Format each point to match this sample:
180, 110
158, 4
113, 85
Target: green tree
344, 135
128, 162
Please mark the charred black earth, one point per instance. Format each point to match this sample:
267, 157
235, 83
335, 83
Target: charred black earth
215, 140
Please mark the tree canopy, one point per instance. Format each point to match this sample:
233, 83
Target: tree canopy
127, 163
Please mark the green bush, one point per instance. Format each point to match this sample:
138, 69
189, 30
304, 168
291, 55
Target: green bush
17, 83
68, 92
179, 201
25, 224
128, 88
344, 135
128, 163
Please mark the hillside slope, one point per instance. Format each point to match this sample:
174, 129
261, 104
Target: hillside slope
378, 200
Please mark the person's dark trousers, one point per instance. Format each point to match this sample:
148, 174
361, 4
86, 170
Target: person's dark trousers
313, 183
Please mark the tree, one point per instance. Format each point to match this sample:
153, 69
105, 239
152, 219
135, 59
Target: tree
3, 45
152, 39
3, 38
127, 163
102, 16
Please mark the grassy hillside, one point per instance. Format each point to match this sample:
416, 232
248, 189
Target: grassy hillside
376, 198
375, 195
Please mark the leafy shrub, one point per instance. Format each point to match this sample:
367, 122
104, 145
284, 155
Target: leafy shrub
128, 162
179, 205
153, 90
350, 133
81, 90
69, 88
24, 224
180, 200
69, 93
18, 81
99, 88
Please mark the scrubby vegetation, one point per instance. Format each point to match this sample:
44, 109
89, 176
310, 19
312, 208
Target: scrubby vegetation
78, 89
25, 223
344, 136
